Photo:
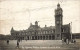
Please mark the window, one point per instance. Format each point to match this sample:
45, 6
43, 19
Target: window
62, 30
58, 35
46, 32
32, 32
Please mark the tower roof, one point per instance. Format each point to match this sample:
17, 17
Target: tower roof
12, 29
58, 5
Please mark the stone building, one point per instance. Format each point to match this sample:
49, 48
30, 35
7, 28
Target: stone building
35, 32
76, 36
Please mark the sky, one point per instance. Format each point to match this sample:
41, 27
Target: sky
20, 13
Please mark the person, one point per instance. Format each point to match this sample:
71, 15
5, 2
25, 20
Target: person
67, 41
17, 43
7, 41
74, 41
62, 40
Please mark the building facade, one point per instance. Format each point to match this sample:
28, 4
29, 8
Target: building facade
76, 36
35, 32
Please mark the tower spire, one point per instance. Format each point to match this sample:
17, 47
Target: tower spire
12, 29
58, 5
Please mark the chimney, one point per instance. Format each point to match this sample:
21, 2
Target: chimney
45, 25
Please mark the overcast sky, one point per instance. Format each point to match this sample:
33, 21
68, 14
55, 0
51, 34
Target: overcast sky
20, 13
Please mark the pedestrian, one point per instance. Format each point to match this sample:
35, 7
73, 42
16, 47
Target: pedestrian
62, 40
74, 41
67, 41
17, 43
7, 42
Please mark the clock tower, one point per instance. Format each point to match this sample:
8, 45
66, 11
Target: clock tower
58, 22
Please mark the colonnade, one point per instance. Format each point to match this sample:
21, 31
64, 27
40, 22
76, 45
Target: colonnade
41, 37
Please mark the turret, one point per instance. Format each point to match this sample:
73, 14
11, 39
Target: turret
36, 23
12, 31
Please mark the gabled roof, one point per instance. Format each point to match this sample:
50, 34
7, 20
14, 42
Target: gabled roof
34, 27
66, 26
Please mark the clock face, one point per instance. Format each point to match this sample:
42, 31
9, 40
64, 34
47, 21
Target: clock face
57, 22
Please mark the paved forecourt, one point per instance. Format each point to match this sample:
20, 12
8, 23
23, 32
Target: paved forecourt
37, 45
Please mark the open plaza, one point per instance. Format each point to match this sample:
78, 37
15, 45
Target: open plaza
39, 45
